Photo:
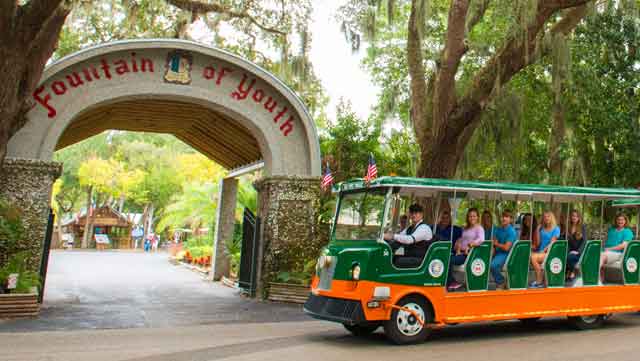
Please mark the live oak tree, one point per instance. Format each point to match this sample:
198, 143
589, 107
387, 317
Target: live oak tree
452, 80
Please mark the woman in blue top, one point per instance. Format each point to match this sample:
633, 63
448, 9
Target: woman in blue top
617, 239
548, 233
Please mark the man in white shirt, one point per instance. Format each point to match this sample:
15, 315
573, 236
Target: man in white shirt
416, 237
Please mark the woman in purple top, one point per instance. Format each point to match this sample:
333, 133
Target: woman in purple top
473, 235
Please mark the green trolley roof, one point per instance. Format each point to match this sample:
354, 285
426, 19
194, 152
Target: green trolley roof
429, 187
622, 203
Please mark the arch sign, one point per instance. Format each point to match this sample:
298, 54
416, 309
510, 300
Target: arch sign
173, 70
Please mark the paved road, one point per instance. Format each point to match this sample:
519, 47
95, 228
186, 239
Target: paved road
148, 310
103, 290
319, 341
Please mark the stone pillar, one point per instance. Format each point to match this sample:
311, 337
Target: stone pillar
26, 184
288, 210
225, 223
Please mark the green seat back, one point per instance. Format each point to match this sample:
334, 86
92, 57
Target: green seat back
476, 267
589, 263
630, 263
517, 265
437, 263
555, 263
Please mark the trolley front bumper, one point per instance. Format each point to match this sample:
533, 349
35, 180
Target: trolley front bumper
348, 312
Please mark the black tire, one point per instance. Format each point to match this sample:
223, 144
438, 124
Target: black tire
587, 322
529, 321
402, 328
362, 330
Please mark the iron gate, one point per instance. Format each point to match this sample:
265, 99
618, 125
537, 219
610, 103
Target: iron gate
248, 255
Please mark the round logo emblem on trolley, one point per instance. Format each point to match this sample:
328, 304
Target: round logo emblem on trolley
436, 268
478, 267
555, 265
632, 265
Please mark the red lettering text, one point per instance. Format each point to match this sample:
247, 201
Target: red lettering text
51, 112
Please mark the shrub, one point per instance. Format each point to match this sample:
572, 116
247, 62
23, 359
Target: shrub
299, 277
11, 226
26, 279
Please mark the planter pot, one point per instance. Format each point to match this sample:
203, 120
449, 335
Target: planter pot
287, 292
19, 305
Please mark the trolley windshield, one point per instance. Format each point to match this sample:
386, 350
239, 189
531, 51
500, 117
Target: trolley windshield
360, 215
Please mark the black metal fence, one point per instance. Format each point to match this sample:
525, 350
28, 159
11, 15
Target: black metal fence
249, 252
44, 261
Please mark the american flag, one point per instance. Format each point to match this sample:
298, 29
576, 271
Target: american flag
372, 170
327, 179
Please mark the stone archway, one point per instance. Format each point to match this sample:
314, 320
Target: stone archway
227, 108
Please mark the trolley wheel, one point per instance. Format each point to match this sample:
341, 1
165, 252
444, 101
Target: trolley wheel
529, 321
362, 330
403, 327
587, 322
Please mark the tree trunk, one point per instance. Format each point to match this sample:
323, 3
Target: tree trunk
150, 219
88, 225
121, 203
59, 227
28, 36
143, 221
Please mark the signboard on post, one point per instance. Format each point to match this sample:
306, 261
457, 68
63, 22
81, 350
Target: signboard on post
12, 281
102, 238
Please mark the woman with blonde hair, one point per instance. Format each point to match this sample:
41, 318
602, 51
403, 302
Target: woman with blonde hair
548, 232
617, 237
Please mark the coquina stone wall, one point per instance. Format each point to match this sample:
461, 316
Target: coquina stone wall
26, 183
288, 207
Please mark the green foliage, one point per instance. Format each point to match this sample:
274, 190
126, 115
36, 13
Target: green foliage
194, 207
26, 279
348, 144
233, 248
12, 228
199, 246
603, 100
299, 277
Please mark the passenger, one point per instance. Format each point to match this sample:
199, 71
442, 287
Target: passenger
444, 230
473, 235
562, 221
404, 222
503, 238
529, 231
487, 223
548, 233
416, 237
617, 237
576, 237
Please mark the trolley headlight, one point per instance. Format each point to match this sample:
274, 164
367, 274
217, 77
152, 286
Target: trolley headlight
355, 272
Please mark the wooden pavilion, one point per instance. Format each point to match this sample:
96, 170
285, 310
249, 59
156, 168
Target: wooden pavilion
106, 220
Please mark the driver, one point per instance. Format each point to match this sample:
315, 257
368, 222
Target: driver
416, 237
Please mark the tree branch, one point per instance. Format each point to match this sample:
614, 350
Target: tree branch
416, 69
36, 13
8, 9
510, 60
199, 7
444, 88
476, 13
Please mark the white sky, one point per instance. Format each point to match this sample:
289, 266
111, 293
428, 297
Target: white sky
338, 68
336, 65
